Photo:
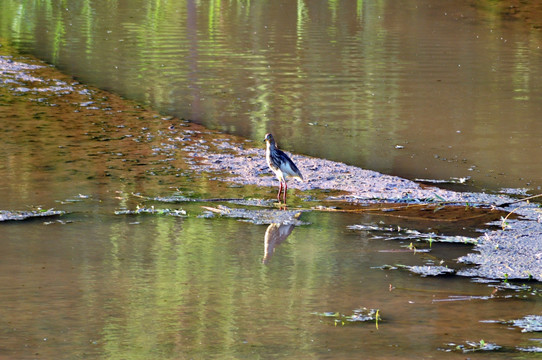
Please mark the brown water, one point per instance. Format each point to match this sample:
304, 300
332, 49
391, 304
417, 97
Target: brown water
92, 284
456, 86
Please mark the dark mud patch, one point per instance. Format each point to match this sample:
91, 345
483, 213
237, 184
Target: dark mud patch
424, 212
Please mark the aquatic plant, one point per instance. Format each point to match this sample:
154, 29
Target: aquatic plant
472, 346
359, 315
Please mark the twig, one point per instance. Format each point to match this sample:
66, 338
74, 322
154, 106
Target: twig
519, 200
503, 222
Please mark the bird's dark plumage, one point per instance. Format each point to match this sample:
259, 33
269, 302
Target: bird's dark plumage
280, 164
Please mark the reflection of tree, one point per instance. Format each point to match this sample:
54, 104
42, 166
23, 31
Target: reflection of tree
274, 236
193, 58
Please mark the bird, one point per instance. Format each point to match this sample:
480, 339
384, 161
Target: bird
280, 164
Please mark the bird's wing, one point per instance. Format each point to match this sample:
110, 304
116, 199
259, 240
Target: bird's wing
288, 166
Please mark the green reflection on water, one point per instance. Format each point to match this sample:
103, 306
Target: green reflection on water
167, 287
370, 75
178, 287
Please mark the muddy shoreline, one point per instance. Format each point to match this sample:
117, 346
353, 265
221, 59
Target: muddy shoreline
513, 253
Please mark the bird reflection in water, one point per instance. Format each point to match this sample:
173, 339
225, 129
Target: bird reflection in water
275, 234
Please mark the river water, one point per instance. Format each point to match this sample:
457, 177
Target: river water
413, 88
456, 87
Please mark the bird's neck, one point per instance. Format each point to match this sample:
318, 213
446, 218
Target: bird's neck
271, 145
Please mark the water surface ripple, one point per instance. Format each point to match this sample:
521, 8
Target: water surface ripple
417, 88
100, 283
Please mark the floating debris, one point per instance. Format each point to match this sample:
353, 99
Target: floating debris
431, 270
426, 270
513, 191
471, 346
407, 249
505, 285
152, 211
259, 217
363, 227
530, 349
453, 298
359, 315
529, 323
253, 202
182, 198
484, 280
385, 267
364, 314
62, 222
414, 235
171, 199
6, 215
452, 180
77, 198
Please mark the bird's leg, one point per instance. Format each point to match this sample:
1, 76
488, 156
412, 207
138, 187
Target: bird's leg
280, 190
285, 191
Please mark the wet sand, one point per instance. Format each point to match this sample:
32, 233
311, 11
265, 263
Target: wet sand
513, 253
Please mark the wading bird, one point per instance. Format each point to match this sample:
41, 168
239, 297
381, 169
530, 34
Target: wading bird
280, 164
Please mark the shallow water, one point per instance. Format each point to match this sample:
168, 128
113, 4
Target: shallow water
417, 89
92, 284
101, 287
